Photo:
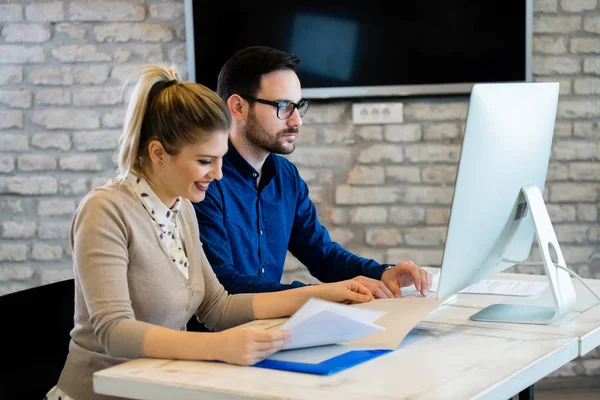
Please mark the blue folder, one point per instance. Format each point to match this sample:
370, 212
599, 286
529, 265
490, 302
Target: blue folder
327, 367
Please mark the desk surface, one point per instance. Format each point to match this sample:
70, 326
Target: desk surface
436, 361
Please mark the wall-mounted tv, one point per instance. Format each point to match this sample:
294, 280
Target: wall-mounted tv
367, 48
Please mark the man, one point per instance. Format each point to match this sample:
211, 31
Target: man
261, 208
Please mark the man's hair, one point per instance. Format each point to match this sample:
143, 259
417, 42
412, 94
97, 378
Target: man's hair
241, 74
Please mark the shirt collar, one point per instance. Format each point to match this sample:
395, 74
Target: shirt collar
160, 213
247, 170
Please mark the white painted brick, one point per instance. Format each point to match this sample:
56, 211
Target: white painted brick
13, 287
45, 11
346, 194
121, 56
594, 237
362, 175
7, 163
73, 186
383, 237
97, 182
178, 55
18, 229
572, 109
587, 212
57, 141
564, 83
11, 13
17, 54
381, 152
369, 132
51, 275
36, 162
403, 174
586, 86
13, 142
80, 162
92, 96
341, 236
46, 252
427, 236
26, 33
577, 254
407, 216
52, 97
591, 65
72, 30
556, 24
578, 5
570, 233
336, 216
324, 157
316, 194
167, 11
79, 53
585, 171
29, 185
66, 118
13, 206
15, 272
106, 11
571, 369
60, 206
591, 24
307, 135
327, 113
10, 75
573, 150
437, 216
547, 65
20, 98
54, 230
125, 32
585, 45
435, 111
561, 212
403, 133
11, 119
591, 367
439, 174
545, 5
428, 195
573, 192
557, 172
549, 45
123, 72
368, 215
91, 74
51, 76
148, 52
563, 129
432, 153
441, 131
421, 257
340, 134
96, 140
13, 251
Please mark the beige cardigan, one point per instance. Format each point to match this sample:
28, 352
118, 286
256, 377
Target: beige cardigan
125, 282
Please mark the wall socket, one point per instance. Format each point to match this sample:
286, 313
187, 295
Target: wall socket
377, 113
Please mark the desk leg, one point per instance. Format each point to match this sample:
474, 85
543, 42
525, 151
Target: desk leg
526, 394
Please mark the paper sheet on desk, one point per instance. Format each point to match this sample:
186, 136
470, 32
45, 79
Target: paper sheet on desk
498, 287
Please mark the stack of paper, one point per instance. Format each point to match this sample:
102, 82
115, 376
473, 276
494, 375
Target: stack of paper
499, 287
321, 322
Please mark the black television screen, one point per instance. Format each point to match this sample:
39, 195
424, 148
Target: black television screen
369, 48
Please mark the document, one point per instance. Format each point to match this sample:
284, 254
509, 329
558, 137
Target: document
499, 287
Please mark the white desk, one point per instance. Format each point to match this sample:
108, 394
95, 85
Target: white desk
582, 322
436, 361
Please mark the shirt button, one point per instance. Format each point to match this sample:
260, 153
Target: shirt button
262, 270
261, 231
254, 174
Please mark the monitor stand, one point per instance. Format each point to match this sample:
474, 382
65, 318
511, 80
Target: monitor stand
563, 292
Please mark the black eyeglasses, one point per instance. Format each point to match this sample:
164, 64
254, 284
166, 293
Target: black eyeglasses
285, 109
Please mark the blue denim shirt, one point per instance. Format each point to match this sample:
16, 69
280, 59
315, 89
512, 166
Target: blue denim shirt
247, 230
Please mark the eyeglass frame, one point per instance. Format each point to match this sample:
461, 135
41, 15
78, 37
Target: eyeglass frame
276, 104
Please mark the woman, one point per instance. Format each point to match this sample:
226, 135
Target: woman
140, 271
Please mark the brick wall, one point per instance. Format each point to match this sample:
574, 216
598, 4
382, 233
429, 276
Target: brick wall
383, 191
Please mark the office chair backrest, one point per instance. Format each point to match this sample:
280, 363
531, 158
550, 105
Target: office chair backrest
35, 338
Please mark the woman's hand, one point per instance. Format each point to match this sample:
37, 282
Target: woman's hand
350, 291
247, 346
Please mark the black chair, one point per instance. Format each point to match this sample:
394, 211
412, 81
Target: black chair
35, 337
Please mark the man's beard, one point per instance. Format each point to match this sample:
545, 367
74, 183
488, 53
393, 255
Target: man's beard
258, 136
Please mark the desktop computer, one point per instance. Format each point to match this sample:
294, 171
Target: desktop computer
498, 207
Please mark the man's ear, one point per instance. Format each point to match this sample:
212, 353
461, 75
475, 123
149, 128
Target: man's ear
238, 107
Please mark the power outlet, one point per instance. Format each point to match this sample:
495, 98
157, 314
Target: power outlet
377, 113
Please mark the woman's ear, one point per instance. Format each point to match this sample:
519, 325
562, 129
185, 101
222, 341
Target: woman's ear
238, 107
156, 152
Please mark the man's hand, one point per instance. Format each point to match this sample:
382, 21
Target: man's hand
405, 274
377, 288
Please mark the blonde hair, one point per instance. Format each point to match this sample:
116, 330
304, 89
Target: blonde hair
164, 108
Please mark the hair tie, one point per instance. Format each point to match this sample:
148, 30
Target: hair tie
158, 87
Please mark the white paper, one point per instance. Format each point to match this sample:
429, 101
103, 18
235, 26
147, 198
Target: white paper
320, 323
498, 287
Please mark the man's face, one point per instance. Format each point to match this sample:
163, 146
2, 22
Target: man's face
263, 128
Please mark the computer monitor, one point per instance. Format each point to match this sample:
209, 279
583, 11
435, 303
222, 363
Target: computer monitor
498, 207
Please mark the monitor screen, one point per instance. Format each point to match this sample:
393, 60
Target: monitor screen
369, 48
